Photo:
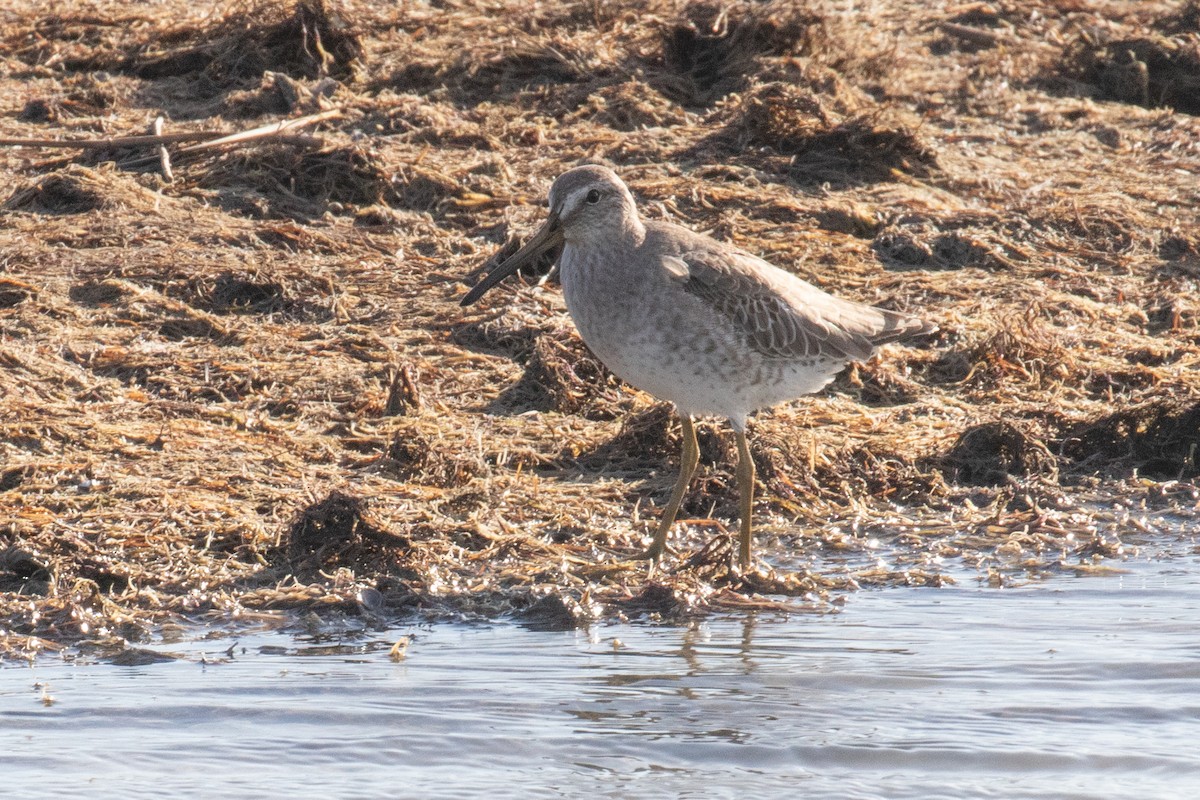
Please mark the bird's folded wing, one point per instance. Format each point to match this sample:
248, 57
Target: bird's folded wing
781, 315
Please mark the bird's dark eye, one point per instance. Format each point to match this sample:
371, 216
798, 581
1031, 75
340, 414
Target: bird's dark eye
593, 196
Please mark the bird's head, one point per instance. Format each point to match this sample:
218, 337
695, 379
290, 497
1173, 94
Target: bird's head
588, 204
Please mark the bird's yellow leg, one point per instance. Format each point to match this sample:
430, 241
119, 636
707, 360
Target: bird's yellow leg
745, 479
687, 468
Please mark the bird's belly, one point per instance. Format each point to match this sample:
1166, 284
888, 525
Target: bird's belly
704, 388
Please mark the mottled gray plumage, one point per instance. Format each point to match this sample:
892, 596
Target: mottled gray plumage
691, 320
784, 317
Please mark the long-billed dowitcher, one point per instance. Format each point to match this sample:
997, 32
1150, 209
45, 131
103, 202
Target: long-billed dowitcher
691, 320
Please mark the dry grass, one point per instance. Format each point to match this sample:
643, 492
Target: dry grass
251, 391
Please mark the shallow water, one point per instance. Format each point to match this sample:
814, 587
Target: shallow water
1070, 688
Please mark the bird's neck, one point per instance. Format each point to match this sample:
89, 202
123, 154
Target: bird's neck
631, 233
626, 234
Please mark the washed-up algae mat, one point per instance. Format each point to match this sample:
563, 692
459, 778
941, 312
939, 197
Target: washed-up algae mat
241, 390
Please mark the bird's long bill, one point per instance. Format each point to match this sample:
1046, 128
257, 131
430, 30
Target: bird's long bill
548, 237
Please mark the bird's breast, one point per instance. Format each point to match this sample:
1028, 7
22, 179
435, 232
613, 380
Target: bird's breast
650, 332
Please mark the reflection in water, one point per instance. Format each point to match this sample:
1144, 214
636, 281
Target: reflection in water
1078, 688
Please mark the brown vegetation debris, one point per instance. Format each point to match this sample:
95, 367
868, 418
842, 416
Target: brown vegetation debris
297, 182
281, 94
231, 293
553, 612
1159, 439
204, 380
562, 375
526, 62
854, 219
338, 532
87, 96
421, 189
77, 190
827, 145
654, 599
644, 435
879, 382
404, 391
988, 453
23, 572
304, 39
1186, 19
79, 41
913, 246
1180, 247
415, 455
1152, 71
13, 291
514, 331
1022, 349
855, 471
629, 106
713, 49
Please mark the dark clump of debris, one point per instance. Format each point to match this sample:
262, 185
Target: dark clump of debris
312, 41
303, 39
84, 96
232, 293
23, 572
1021, 349
77, 190
1152, 71
1160, 439
826, 145
414, 454
301, 182
645, 435
714, 49
562, 375
925, 247
552, 612
990, 453
337, 532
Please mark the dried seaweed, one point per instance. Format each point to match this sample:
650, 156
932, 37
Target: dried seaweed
824, 143
337, 532
1159, 439
713, 49
294, 180
562, 375
77, 190
309, 39
251, 390
1152, 71
989, 453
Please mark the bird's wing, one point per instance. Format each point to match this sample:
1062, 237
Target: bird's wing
781, 315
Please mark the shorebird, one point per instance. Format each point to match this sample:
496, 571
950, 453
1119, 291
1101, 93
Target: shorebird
688, 319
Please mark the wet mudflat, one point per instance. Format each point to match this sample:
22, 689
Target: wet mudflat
1075, 687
